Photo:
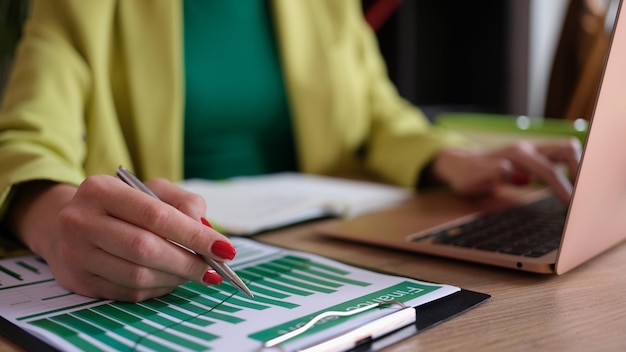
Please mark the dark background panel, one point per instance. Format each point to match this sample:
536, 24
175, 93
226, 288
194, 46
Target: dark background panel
458, 55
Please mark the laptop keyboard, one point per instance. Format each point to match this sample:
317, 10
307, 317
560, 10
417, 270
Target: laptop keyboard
530, 230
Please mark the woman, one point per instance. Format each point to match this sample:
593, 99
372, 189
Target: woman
186, 89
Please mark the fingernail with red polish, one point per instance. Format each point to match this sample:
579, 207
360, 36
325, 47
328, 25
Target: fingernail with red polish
223, 249
211, 277
205, 222
520, 178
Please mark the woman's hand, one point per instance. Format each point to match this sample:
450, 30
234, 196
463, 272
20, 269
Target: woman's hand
107, 240
475, 173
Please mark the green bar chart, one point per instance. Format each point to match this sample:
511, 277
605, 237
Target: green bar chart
290, 287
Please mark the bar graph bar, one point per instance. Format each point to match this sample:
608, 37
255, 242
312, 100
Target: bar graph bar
11, 273
69, 335
147, 325
197, 310
303, 277
196, 297
58, 296
91, 330
310, 267
28, 267
233, 300
286, 277
16, 271
272, 281
112, 326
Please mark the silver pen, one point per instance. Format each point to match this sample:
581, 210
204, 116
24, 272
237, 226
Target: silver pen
221, 267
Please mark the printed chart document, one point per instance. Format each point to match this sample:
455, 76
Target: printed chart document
248, 205
290, 287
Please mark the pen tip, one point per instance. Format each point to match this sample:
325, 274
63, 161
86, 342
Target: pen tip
247, 291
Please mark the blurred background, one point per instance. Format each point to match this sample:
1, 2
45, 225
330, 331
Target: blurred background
536, 58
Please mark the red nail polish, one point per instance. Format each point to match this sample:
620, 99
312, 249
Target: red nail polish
211, 277
205, 222
519, 178
223, 249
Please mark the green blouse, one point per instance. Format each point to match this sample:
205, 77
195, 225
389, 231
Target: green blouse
237, 119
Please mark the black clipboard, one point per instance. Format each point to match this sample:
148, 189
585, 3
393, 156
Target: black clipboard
429, 315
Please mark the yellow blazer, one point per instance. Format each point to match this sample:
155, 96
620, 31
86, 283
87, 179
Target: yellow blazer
97, 84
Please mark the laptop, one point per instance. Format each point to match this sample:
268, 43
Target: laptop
544, 234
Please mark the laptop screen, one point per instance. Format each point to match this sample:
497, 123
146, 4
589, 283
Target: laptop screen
596, 220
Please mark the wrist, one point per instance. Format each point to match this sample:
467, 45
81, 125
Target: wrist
32, 215
445, 167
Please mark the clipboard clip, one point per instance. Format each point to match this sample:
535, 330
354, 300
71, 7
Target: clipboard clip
290, 335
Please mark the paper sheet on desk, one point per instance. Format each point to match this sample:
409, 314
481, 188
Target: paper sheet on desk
248, 205
289, 286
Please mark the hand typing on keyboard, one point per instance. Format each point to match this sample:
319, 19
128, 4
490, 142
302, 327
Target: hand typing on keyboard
479, 172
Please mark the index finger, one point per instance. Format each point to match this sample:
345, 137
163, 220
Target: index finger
166, 221
567, 151
189, 203
526, 156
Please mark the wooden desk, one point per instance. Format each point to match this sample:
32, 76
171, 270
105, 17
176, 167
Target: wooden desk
584, 310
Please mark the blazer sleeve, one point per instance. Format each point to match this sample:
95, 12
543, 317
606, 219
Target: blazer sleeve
402, 141
42, 130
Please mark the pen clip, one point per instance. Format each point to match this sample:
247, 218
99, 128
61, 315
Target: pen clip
285, 337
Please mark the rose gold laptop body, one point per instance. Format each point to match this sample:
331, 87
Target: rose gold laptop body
596, 218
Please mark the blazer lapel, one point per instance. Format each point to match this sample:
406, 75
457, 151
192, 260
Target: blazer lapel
152, 53
306, 69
